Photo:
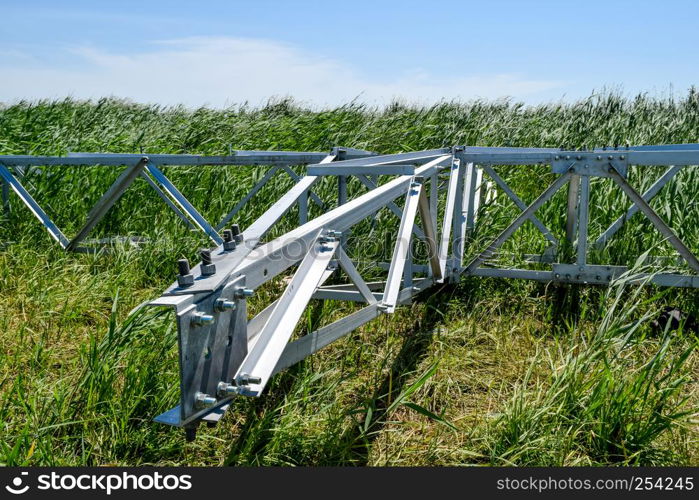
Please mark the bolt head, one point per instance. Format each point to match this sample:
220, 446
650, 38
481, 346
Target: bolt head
224, 390
185, 280
202, 400
224, 305
246, 378
202, 319
208, 269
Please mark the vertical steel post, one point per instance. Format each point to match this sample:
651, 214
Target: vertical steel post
303, 209
572, 212
458, 232
434, 198
583, 218
453, 192
341, 200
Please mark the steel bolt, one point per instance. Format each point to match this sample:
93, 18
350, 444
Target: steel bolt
622, 157
228, 241
610, 157
243, 292
579, 157
207, 268
184, 278
567, 157
222, 305
246, 378
334, 234
599, 157
205, 254
237, 235
557, 157
201, 319
224, 390
202, 400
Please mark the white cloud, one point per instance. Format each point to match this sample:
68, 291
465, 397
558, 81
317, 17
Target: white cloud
217, 71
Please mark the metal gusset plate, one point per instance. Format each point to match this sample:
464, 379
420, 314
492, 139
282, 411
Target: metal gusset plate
212, 336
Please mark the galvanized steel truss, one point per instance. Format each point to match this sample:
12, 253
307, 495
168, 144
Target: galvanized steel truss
224, 354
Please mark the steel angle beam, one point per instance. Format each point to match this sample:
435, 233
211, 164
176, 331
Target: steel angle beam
297, 178
226, 261
590, 275
524, 216
659, 224
360, 170
108, 200
647, 196
428, 223
343, 152
241, 203
520, 204
309, 344
184, 204
168, 201
33, 206
415, 158
401, 250
449, 209
258, 366
355, 277
370, 184
241, 158
278, 255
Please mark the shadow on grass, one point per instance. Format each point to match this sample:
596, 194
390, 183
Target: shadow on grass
362, 435
351, 446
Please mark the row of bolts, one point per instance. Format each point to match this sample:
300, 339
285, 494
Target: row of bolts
185, 279
231, 237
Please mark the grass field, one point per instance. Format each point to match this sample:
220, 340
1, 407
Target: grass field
483, 372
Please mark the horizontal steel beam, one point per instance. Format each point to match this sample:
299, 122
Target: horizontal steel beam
360, 169
235, 158
590, 275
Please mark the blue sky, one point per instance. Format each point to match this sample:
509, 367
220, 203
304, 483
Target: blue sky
325, 53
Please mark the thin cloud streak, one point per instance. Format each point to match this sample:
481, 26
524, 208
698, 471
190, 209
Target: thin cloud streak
219, 71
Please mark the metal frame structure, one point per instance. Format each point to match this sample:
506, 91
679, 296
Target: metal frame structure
148, 167
224, 354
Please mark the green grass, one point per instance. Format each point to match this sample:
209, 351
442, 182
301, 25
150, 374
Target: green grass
484, 372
